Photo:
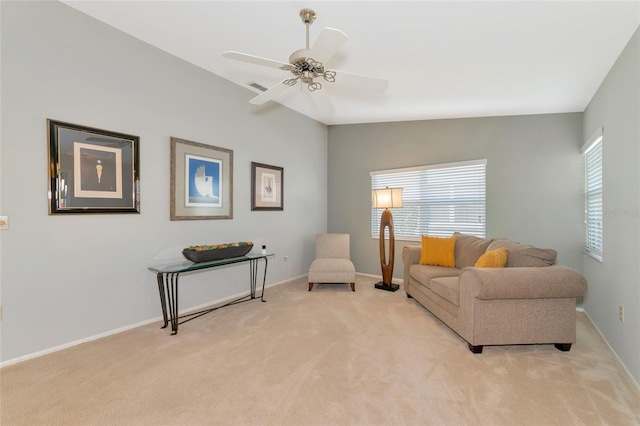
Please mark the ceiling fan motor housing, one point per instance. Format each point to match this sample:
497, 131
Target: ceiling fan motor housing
299, 55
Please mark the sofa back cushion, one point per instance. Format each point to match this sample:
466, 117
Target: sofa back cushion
469, 248
524, 255
438, 251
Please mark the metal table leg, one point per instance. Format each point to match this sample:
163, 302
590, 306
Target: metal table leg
163, 299
172, 290
168, 290
253, 270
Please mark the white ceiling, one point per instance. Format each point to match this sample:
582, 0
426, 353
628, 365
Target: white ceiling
443, 59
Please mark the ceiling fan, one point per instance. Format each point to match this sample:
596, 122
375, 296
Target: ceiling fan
307, 66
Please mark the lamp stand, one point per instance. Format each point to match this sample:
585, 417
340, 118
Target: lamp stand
386, 221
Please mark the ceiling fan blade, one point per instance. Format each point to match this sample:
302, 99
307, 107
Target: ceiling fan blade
256, 60
328, 43
321, 100
360, 81
271, 93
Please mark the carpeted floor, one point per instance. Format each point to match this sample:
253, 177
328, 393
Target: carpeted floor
326, 357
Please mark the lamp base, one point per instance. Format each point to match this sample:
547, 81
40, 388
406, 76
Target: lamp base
389, 287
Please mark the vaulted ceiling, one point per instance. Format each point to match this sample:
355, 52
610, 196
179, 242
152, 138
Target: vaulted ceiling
443, 59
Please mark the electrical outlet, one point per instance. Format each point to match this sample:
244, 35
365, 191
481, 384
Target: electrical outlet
286, 258
621, 313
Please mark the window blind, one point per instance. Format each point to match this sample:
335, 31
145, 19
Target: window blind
593, 196
438, 200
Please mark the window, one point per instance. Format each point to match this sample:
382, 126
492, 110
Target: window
437, 200
592, 150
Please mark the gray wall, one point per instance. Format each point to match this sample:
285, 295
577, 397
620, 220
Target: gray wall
616, 281
534, 177
68, 278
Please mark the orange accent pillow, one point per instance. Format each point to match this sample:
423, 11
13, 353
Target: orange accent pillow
493, 259
438, 251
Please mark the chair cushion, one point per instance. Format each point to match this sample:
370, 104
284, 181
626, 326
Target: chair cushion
332, 265
332, 271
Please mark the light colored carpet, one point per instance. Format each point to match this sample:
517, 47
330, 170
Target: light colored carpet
326, 357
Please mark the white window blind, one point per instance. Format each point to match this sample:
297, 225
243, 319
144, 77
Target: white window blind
438, 200
593, 195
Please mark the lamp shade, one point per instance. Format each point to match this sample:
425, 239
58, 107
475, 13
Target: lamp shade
387, 198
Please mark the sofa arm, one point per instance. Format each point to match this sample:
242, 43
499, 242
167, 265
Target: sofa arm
556, 281
410, 256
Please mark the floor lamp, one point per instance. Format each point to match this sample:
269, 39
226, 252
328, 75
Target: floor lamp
387, 198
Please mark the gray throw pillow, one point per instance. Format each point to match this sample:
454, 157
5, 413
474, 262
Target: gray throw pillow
524, 255
469, 249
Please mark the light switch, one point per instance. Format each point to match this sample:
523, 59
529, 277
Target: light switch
4, 222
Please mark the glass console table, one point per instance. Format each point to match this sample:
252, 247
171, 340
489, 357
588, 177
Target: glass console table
168, 274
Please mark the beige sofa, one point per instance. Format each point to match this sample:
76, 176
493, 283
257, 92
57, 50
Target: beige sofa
532, 300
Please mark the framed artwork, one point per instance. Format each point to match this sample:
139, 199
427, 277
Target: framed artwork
201, 181
267, 187
92, 170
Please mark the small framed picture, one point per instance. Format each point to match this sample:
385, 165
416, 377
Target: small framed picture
201, 181
267, 187
92, 170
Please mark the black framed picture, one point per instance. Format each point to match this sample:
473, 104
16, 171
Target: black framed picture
92, 170
201, 181
267, 187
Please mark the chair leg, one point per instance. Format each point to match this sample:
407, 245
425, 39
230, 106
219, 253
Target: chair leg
310, 286
353, 286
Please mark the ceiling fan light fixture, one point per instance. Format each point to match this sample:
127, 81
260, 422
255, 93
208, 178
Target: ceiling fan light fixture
314, 86
330, 76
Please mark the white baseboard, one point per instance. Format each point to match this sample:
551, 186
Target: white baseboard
379, 278
624, 367
129, 327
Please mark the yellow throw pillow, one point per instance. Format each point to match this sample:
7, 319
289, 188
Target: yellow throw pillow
493, 259
438, 251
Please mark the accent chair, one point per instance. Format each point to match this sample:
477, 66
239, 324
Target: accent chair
333, 261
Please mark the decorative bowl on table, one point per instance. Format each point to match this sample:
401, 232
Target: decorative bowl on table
208, 253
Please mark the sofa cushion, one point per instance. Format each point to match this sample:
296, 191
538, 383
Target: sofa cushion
448, 288
493, 259
438, 251
524, 255
425, 273
469, 248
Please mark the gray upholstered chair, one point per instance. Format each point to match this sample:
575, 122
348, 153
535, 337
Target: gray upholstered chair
333, 261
